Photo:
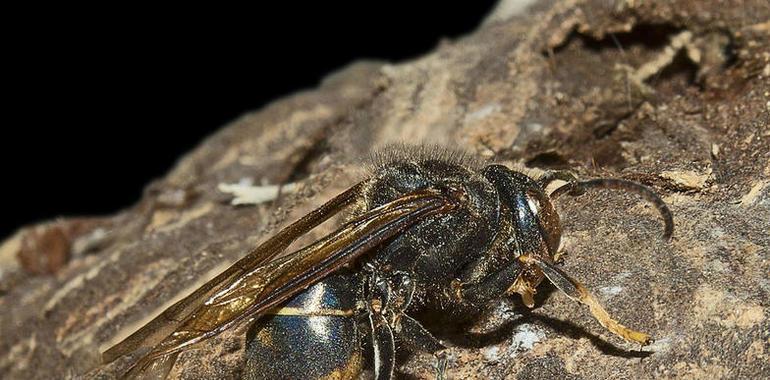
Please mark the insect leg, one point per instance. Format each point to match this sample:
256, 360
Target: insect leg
407, 329
383, 343
575, 290
490, 287
411, 332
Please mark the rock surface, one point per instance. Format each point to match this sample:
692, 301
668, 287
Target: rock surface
673, 94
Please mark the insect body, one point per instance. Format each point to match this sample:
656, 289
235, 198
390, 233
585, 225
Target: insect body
319, 322
426, 235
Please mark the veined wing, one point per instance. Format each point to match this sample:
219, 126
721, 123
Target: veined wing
164, 324
256, 289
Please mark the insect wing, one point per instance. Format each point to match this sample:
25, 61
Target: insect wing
170, 319
251, 293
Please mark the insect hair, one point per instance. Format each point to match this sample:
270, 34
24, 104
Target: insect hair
401, 153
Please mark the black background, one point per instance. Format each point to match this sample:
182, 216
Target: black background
100, 101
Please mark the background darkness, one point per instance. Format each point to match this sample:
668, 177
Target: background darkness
100, 101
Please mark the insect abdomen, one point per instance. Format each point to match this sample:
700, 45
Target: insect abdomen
313, 336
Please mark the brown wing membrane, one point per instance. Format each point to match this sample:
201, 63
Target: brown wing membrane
253, 289
164, 324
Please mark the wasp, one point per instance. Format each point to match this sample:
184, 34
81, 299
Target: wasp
426, 233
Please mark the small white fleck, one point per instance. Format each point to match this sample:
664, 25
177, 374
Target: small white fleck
491, 354
525, 338
613, 290
610, 291
662, 344
246, 194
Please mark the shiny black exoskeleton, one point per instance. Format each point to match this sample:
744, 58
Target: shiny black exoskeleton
502, 239
313, 336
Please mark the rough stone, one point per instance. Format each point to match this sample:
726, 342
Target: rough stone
629, 89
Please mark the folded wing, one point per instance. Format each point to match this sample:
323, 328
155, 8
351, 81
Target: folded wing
261, 281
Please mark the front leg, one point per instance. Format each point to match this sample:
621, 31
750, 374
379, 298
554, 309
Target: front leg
493, 286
